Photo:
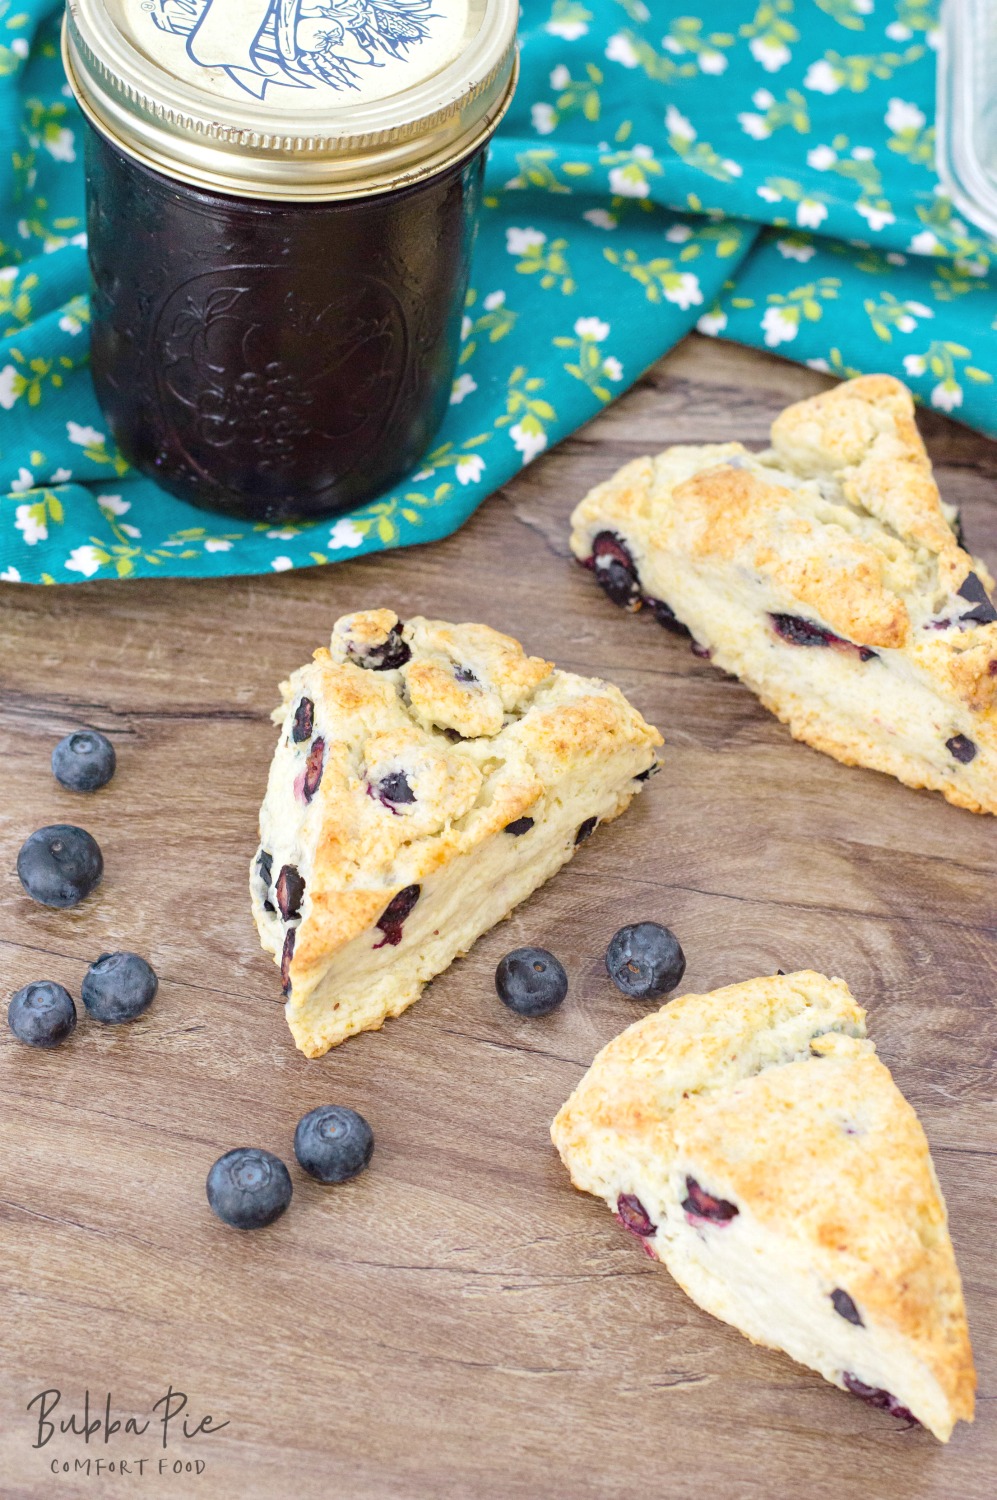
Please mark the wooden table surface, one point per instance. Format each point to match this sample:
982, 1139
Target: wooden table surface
458, 1321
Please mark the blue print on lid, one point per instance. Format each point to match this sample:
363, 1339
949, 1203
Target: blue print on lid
294, 43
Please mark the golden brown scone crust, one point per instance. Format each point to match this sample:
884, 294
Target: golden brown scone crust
841, 524
773, 1090
483, 735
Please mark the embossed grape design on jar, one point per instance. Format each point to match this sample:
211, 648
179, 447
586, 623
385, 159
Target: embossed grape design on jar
281, 205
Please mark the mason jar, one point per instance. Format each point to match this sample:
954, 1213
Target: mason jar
281, 205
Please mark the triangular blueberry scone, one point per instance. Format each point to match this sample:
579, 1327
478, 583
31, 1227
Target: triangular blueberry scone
828, 575
428, 778
758, 1147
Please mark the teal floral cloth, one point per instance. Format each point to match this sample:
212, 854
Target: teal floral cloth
764, 173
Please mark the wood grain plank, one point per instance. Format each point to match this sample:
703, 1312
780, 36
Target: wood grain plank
457, 1321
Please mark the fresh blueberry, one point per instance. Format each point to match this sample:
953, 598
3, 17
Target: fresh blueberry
333, 1143
645, 960
286, 954
392, 919
962, 747
531, 981
118, 987
800, 632
304, 721
615, 571
312, 776
634, 1216
519, 826
290, 892
42, 1014
393, 652
845, 1307
394, 789
585, 830
666, 617
983, 611
699, 1204
249, 1188
60, 865
84, 761
875, 1396
264, 866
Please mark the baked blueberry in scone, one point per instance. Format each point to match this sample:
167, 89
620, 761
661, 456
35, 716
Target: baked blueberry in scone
827, 574
428, 777
756, 1145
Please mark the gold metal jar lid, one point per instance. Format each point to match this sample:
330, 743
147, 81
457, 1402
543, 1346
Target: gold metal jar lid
293, 99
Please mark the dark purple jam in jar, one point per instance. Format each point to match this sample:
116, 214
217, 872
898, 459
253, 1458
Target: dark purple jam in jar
282, 197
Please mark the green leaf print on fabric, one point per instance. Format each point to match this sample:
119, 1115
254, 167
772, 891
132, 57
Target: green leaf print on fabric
763, 172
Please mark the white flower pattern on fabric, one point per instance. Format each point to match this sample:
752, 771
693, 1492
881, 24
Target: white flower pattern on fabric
903, 116
519, 241
527, 442
810, 213
877, 218
10, 387
114, 505
30, 524
568, 31
947, 395
469, 468
772, 54
592, 328
926, 242
282, 564
61, 145
821, 78
463, 386
712, 323
620, 49
84, 437
821, 158
755, 125
830, 107
796, 250
781, 324
345, 534
85, 560
684, 291
676, 124
628, 182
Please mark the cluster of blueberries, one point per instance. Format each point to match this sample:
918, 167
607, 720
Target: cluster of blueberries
59, 866
249, 1188
644, 960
